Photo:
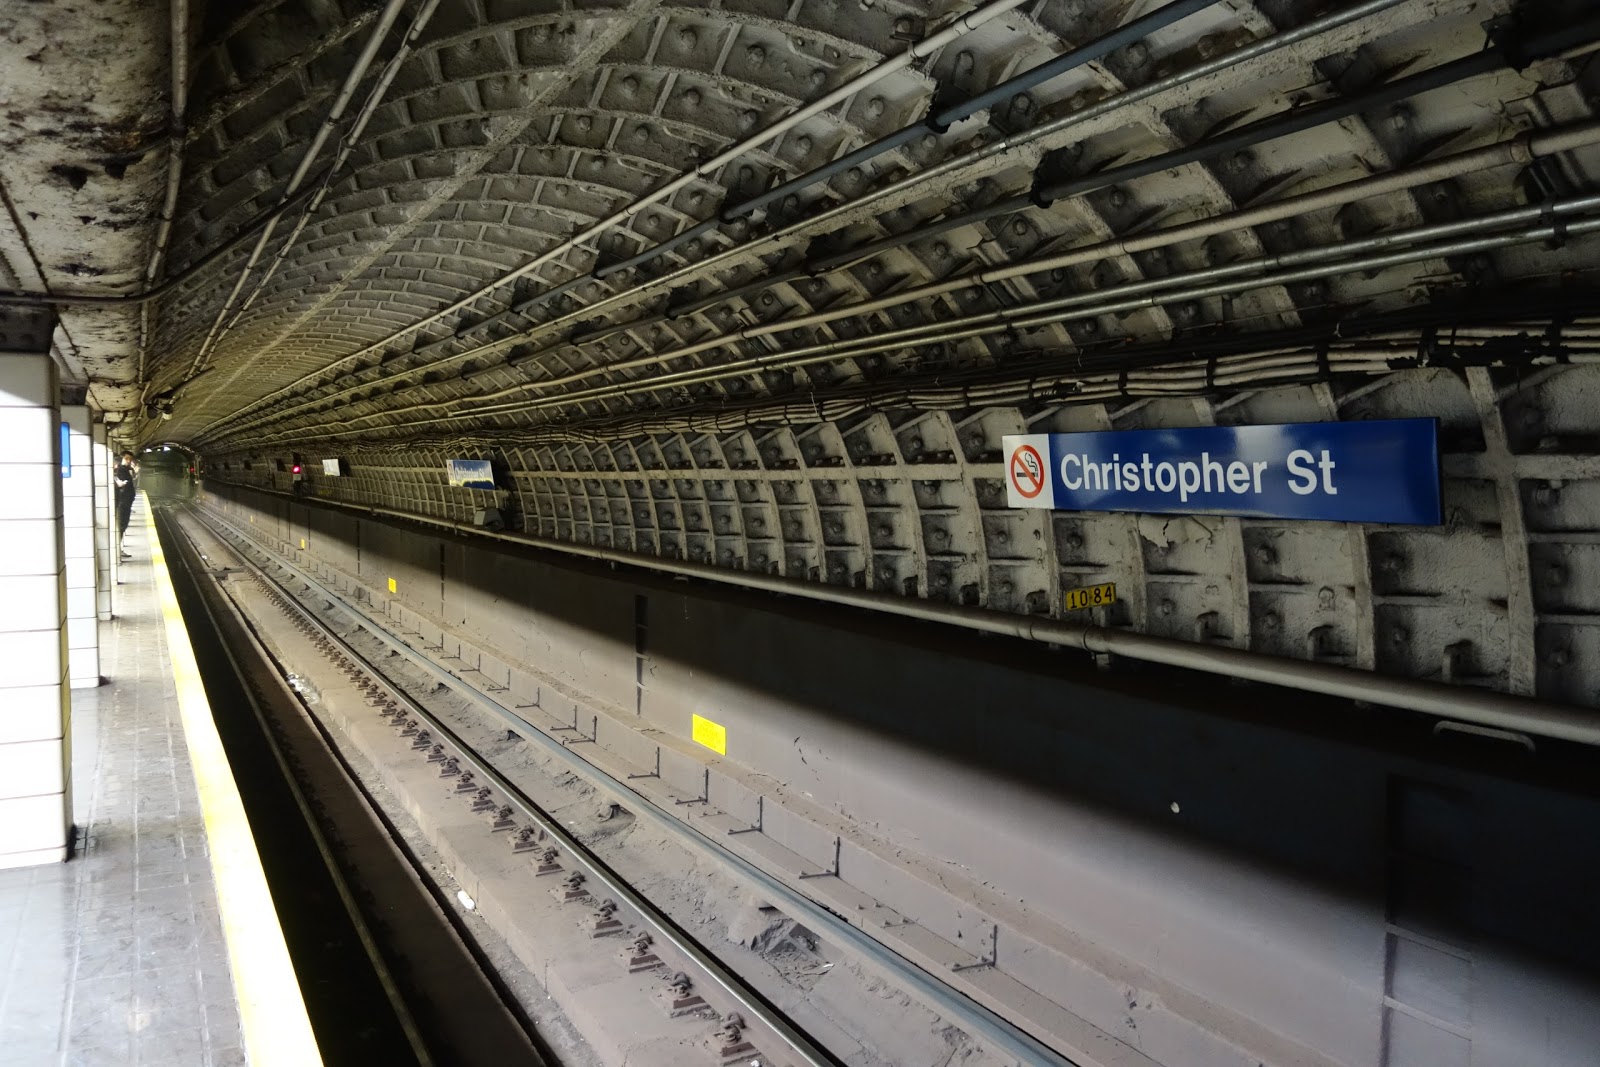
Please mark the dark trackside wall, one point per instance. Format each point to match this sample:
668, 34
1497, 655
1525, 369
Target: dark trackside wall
1346, 882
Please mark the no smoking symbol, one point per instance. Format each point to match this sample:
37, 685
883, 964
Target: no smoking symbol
1027, 471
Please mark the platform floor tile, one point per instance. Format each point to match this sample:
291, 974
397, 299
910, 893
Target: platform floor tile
117, 956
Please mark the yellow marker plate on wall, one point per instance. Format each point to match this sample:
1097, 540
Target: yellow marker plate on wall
710, 734
391, 585
1091, 596
302, 542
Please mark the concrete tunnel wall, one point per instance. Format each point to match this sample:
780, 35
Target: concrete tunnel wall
1270, 893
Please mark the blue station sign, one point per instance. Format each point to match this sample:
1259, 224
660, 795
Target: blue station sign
1381, 471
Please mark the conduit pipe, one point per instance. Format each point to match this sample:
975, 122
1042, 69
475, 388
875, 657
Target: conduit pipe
938, 392
1457, 703
1216, 281
956, 29
699, 376
177, 136
931, 394
1044, 196
1315, 28
941, 121
1295, 121
347, 144
1271, 128
1520, 149
1260, 48
1302, 355
786, 361
1122, 99
1119, 38
1119, 247
1265, 46
1516, 51
352, 81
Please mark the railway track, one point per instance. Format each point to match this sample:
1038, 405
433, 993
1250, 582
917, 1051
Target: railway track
385, 975
692, 979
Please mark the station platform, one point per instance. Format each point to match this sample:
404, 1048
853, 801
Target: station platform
119, 956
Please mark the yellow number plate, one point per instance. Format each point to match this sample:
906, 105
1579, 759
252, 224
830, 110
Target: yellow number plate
713, 735
1091, 596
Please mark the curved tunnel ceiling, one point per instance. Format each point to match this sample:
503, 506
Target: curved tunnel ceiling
509, 127
525, 235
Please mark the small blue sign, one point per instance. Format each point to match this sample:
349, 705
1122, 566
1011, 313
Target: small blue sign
1382, 471
66, 451
471, 473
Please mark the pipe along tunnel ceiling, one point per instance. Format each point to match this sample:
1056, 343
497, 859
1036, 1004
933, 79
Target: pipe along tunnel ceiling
761, 284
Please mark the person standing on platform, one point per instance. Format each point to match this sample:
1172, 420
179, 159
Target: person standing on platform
126, 480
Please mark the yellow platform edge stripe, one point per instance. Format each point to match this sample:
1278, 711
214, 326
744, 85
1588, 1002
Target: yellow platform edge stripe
272, 1013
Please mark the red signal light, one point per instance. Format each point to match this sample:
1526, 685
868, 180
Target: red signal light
295, 469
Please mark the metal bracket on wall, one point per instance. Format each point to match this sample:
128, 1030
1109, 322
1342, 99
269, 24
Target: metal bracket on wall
990, 960
832, 872
705, 787
653, 774
573, 727
761, 814
538, 695
594, 733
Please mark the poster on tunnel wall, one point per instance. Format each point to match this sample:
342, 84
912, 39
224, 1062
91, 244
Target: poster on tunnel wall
471, 473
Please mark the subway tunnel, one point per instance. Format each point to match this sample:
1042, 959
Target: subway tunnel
868, 532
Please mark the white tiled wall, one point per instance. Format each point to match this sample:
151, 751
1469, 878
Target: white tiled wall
103, 518
34, 708
77, 493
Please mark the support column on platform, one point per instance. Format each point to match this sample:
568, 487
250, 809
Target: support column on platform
77, 520
103, 520
107, 472
35, 812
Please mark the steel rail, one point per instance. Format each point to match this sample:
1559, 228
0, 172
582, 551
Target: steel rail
979, 1021
532, 812
319, 837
